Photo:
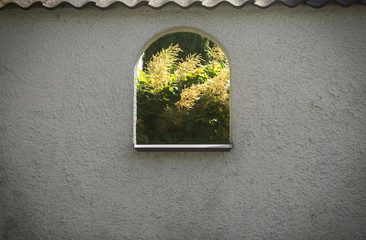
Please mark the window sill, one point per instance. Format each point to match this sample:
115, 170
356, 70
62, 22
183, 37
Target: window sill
183, 147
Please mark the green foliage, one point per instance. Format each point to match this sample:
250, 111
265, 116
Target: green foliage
182, 101
189, 42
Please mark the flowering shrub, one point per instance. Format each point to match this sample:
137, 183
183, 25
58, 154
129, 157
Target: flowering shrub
181, 101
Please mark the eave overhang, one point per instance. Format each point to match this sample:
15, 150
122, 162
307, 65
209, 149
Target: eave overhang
181, 3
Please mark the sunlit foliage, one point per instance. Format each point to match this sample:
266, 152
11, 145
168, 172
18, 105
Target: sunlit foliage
181, 101
189, 42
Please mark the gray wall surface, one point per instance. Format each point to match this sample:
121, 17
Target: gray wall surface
68, 169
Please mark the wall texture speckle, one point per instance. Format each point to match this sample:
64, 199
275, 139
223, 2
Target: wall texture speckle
68, 169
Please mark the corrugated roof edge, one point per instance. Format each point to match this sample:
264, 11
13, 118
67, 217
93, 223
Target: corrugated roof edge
157, 4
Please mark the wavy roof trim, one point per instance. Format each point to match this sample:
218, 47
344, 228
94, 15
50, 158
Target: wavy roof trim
181, 3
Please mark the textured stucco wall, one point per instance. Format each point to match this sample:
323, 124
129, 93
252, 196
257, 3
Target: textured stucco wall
298, 168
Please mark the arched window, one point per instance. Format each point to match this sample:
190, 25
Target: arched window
183, 95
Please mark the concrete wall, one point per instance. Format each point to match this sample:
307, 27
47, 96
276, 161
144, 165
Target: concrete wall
68, 169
